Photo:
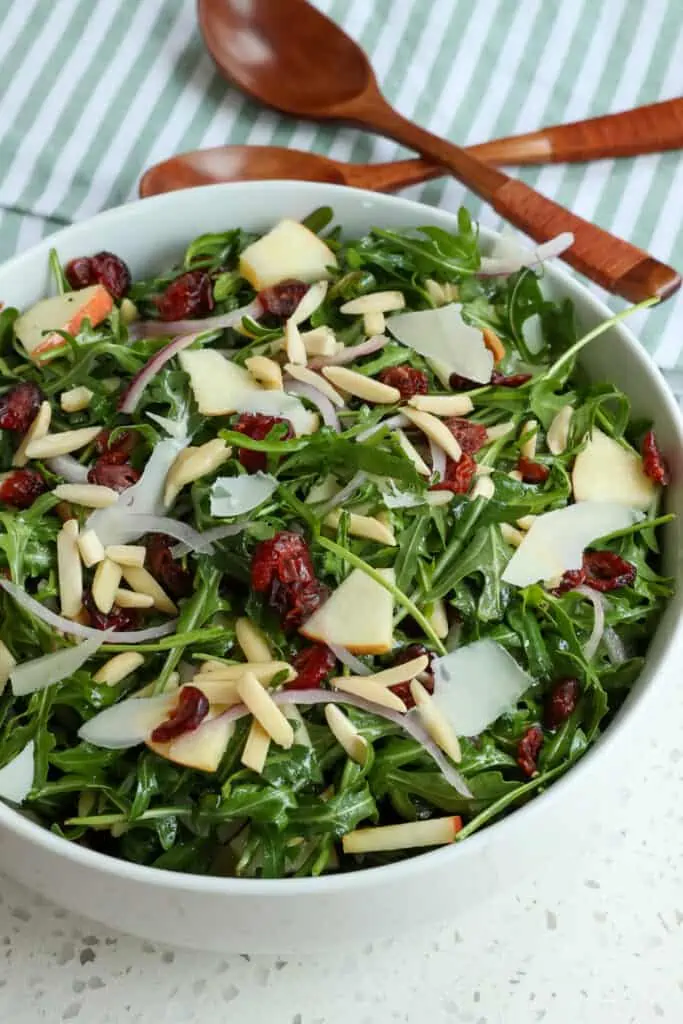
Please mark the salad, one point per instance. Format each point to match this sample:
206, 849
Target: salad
315, 552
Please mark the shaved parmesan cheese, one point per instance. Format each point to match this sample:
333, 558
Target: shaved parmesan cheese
556, 540
358, 615
392, 497
16, 778
128, 723
235, 495
442, 335
606, 471
475, 684
52, 668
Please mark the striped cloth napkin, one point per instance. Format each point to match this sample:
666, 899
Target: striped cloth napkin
94, 91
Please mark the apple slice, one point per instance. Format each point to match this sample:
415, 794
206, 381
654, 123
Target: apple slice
36, 328
358, 615
289, 250
202, 748
606, 471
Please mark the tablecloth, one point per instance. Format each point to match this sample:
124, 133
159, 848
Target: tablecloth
94, 91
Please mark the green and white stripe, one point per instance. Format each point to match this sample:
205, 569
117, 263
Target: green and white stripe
94, 91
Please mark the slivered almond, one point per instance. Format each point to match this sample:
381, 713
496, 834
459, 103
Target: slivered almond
263, 670
256, 748
37, 430
69, 570
193, 463
321, 341
144, 583
265, 710
7, 663
442, 405
409, 835
494, 344
363, 526
105, 584
118, 667
217, 691
500, 430
529, 437
525, 522
437, 498
61, 444
76, 399
411, 452
364, 686
306, 376
252, 640
557, 437
511, 535
483, 470
435, 430
399, 673
312, 300
126, 554
294, 346
438, 727
374, 324
346, 734
129, 311
266, 371
438, 619
366, 388
91, 548
515, 474
131, 599
377, 302
88, 495
441, 293
484, 487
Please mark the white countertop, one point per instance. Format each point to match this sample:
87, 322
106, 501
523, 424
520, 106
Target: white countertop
596, 940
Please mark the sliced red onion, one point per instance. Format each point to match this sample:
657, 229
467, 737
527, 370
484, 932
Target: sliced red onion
407, 723
191, 538
392, 423
131, 396
614, 646
598, 603
134, 636
68, 467
155, 328
319, 400
209, 536
438, 460
356, 481
492, 266
350, 660
348, 355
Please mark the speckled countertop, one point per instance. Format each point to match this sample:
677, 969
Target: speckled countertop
596, 940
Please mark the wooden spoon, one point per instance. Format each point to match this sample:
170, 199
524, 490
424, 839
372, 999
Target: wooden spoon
293, 58
649, 129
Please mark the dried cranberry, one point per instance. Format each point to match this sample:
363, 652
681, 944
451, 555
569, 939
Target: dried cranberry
409, 653
280, 300
654, 463
258, 426
21, 487
528, 750
103, 268
560, 702
532, 472
285, 558
606, 571
459, 383
19, 406
118, 476
190, 295
470, 436
459, 475
175, 580
313, 665
302, 601
117, 450
570, 579
406, 379
514, 380
189, 713
117, 619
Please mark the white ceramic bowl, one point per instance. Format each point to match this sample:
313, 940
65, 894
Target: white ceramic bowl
230, 914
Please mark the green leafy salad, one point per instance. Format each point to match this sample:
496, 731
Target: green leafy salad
315, 552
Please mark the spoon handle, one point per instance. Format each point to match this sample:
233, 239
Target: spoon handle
616, 265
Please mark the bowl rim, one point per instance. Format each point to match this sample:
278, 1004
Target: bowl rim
524, 818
